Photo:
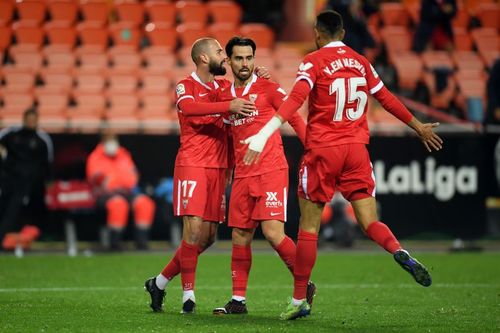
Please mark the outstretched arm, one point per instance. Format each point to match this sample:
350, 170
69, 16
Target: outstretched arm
425, 131
189, 107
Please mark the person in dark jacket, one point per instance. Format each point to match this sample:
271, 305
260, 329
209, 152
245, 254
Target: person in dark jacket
435, 25
26, 155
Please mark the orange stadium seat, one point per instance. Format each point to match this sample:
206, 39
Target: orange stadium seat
435, 59
487, 42
160, 34
88, 111
6, 12
26, 58
52, 103
472, 6
409, 68
125, 34
394, 14
223, 11
462, 39
122, 83
89, 81
442, 99
223, 32
57, 79
15, 103
59, 58
184, 56
28, 34
123, 111
31, 11
18, 79
159, 59
157, 113
396, 40
125, 60
413, 10
489, 15
93, 35
467, 60
61, 35
153, 83
189, 33
96, 11
92, 59
161, 12
129, 12
63, 11
5, 37
461, 19
260, 33
192, 11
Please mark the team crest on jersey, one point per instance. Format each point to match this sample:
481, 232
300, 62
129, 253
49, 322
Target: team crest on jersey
252, 97
184, 203
341, 51
180, 90
304, 67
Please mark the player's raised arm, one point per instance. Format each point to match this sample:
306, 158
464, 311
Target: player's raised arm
425, 131
257, 142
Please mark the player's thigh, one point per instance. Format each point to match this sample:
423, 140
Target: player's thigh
271, 193
241, 205
190, 191
310, 215
357, 180
365, 211
215, 206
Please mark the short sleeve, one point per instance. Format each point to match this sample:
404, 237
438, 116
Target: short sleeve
307, 71
184, 90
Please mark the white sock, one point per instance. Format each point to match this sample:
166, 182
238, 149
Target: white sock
161, 282
188, 294
239, 298
297, 301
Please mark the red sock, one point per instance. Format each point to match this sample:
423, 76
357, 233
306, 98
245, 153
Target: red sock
241, 261
286, 250
382, 235
173, 267
188, 260
307, 249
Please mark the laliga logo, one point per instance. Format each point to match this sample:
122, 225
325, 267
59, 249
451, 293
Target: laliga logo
442, 181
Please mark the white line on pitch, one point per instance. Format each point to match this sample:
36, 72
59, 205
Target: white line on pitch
322, 286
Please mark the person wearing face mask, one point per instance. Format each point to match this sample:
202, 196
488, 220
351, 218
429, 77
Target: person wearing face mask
26, 155
113, 174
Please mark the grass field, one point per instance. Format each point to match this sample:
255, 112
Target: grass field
358, 292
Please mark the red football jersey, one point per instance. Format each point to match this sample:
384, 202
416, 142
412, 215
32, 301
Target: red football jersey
267, 97
341, 80
203, 138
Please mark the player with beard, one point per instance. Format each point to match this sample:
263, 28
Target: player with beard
201, 167
260, 191
338, 81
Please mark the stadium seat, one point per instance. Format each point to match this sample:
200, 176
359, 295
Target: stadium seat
472, 6
6, 12
223, 11
96, 11
91, 34
157, 111
28, 34
88, 112
394, 14
63, 11
489, 15
61, 35
437, 59
125, 34
125, 59
89, 81
461, 19
260, 33
413, 10
487, 42
57, 79
489, 57
122, 82
122, 113
160, 34
59, 58
32, 11
17, 79
15, 103
153, 83
189, 33
192, 12
5, 37
92, 59
52, 103
180, 73
223, 32
442, 99
26, 58
131, 13
462, 39
467, 60
159, 59
409, 68
161, 12
396, 40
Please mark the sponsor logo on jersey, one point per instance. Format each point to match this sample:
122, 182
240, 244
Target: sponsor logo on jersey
202, 95
185, 203
442, 181
272, 200
180, 89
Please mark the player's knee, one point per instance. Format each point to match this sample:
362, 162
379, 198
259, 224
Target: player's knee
274, 235
310, 225
241, 237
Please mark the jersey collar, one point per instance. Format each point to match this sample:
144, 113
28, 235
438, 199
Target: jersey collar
247, 87
197, 79
335, 44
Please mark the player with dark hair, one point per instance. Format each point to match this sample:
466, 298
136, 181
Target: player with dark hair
259, 192
201, 167
338, 81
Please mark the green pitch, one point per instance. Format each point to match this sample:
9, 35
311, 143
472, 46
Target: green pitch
359, 292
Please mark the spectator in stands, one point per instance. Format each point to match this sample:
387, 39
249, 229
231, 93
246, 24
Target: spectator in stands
492, 89
435, 25
112, 172
26, 155
357, 35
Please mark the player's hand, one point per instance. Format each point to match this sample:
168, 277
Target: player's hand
430, 139
242, 107
256, 145
262, 72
